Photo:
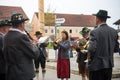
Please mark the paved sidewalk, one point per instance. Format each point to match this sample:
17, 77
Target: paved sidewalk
74, 67
52, 75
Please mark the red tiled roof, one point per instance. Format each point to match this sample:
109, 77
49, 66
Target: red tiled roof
7, 11
76, 19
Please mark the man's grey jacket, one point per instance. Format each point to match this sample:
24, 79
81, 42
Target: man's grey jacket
19, 55
103, 43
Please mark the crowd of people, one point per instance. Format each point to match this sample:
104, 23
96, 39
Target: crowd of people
94, 51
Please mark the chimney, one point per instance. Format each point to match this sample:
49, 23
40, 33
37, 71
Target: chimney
41, 15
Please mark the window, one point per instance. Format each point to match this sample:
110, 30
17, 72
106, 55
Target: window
70, 31
46, 31
76, 31
57, 30
52, 31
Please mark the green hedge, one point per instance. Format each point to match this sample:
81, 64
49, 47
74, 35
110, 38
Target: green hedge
50, 45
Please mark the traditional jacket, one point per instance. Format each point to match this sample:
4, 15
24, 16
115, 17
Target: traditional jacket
19, 54
103, 43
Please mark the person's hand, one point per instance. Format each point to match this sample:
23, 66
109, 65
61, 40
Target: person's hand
34, 42
75, 46
57, 40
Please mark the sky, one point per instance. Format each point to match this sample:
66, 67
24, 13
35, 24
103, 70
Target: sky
86, 7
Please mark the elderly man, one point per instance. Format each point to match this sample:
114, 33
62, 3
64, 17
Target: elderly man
43, 54
19, 51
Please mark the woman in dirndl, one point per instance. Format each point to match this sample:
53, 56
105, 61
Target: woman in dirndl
63, 62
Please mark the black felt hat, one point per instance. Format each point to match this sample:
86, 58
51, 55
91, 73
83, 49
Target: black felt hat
102, 13
18, 18
38, 33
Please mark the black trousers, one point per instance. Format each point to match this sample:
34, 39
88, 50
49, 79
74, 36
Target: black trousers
2, 76
103, 74
41, 60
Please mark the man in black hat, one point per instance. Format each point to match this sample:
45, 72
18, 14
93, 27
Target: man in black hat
19, 51
4, 27
43, 54
103, 43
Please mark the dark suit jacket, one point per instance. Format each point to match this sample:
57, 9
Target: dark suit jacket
103, 43
19, 53
2, 59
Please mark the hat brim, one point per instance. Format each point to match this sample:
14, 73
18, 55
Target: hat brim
101, 16
81, 32
3, 25
85, 32
38, 34
19, 21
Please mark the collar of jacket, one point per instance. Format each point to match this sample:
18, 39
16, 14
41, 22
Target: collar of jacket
101, 24
14, 29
